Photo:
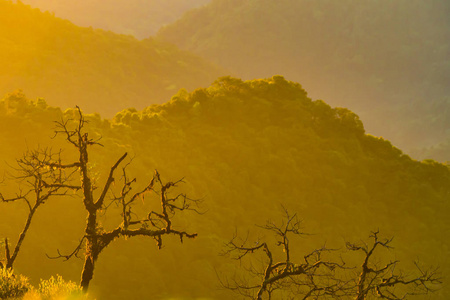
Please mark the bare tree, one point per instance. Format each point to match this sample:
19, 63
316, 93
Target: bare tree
386, 281
310, 278
318, 278
155, 224
39, 180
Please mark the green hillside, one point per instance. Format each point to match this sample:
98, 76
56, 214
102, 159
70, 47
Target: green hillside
140, 18
386, 60
101, 71
245, 148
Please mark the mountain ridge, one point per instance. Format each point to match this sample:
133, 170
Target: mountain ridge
104, 72
245, 148
385, 60
138, 18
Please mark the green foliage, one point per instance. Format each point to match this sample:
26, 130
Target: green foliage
386, 60
98, 70
245, 147
57, 288
139, 18
12, 286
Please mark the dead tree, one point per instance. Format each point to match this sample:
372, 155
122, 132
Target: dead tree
155, 224
386, 282
319, 278
310, 278
41, 176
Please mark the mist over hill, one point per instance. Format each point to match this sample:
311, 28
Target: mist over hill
140, 18
438, 152
388, 61
246, 148
99, 70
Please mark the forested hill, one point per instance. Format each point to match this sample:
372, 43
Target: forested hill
386, 60
140, 18
246, 148
101, 71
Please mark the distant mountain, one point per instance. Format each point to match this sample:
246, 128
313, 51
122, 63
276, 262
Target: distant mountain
101, 71
140, 18
439, 151
245, 148
389, 61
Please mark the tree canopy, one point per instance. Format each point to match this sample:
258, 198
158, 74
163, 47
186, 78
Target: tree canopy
386, 60
244, 147
99, 70
140, 18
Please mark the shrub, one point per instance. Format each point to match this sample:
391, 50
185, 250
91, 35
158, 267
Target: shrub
56, 288
12, 286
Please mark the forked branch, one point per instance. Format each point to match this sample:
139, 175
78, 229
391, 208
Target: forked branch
385, 281
41, 177
311, 278
155, 225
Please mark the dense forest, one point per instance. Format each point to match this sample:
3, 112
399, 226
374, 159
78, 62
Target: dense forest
386, 60
246, 148
140, 18
99, 70
187, 179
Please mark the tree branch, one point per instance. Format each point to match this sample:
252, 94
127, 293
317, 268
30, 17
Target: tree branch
109, 181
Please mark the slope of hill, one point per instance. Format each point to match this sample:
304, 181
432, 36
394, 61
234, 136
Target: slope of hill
246, 148
140, 18
101, 71
386, 60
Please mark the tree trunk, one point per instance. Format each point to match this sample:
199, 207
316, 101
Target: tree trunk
88, 268
11, 258
92, 250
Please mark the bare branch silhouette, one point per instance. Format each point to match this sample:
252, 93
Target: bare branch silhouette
157, 223
40, 178
311, 277
386, 282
